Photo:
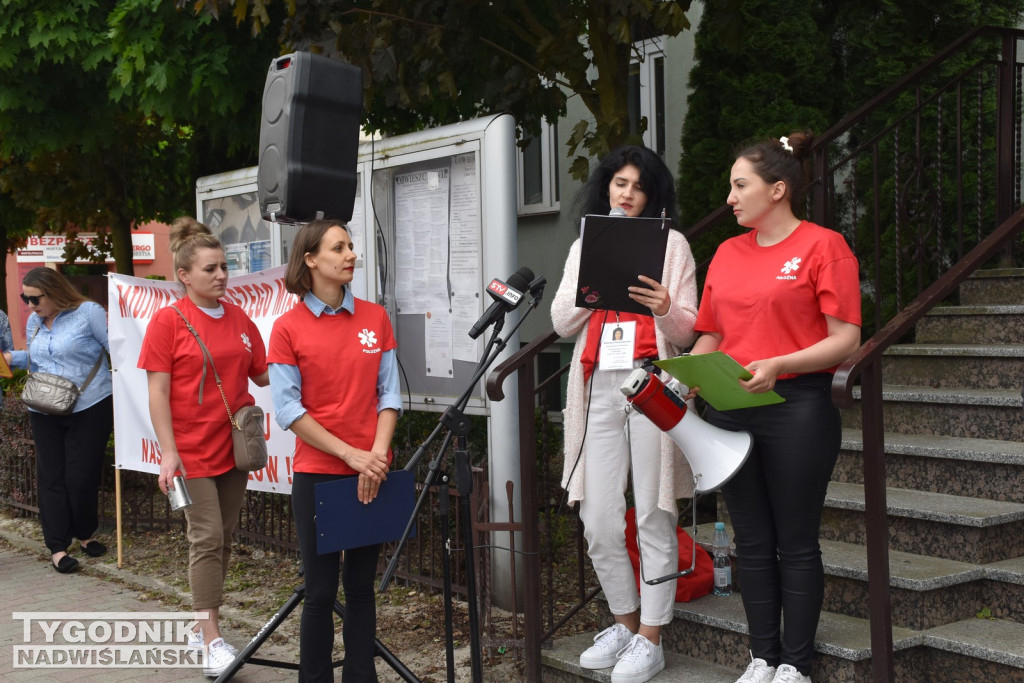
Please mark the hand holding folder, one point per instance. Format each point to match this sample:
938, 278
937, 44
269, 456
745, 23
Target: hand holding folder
614, 250
717, 375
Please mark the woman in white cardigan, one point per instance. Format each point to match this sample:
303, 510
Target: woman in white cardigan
601, 449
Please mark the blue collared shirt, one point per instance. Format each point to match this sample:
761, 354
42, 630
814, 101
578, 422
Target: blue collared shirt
286, 380
70, 350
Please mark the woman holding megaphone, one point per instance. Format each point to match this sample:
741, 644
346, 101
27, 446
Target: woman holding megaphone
783, 300
604, 440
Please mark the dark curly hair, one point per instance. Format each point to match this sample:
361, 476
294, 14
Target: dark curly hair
655, 179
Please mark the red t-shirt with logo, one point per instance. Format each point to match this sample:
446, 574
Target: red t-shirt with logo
771, 301
202, 433
338, 357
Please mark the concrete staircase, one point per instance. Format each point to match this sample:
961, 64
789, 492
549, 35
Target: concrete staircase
955, 472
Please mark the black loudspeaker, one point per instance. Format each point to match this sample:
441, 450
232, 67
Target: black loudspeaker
309, 138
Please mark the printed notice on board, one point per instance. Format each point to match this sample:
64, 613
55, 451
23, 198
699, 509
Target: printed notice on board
464, 247
421, 240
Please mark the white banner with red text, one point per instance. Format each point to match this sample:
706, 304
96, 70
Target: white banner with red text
132, 304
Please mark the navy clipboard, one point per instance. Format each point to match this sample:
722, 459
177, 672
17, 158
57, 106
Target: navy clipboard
343, 522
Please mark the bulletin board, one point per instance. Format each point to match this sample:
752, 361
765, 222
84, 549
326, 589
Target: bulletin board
444, 205
434, 221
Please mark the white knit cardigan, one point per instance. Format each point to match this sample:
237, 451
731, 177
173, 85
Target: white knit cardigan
674, 332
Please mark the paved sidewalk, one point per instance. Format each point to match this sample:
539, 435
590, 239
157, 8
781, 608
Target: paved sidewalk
28, 584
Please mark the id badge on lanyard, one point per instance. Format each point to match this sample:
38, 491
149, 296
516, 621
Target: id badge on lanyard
618, 343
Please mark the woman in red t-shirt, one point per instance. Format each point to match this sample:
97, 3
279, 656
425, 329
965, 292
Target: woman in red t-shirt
334, 381
784, 300
194, 437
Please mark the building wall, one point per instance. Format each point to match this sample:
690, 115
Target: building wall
93, 285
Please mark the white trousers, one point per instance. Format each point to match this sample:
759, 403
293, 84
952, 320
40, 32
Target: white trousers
606, 472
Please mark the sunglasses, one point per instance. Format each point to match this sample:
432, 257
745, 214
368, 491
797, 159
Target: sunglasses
34, 300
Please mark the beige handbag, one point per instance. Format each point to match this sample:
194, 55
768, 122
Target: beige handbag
247, 439
52, 394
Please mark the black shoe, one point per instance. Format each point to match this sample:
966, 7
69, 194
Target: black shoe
94, 549
66, 564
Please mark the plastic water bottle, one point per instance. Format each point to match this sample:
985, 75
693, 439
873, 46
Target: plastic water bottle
723, 568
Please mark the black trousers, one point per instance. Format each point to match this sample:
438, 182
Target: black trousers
316, 630
775, 503
69, 458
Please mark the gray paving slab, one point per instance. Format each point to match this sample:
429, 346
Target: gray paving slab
28, 584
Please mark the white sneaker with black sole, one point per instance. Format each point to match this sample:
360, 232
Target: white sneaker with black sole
607, 644
639, 661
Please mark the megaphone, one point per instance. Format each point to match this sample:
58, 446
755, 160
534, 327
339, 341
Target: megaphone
715, 455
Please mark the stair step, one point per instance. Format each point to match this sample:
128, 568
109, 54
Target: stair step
949, 447
925, 591
993, 286
562, 661
982, 366
937, 507
993, 640
714, 628
983, 468
962, 413
1008, 571
909, 571
993, 324
925, 523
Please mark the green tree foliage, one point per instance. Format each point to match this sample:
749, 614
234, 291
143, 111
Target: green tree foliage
778, 66
765, 70
433, 62
109, 110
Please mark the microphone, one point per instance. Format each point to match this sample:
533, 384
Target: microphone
506, 295
619, 212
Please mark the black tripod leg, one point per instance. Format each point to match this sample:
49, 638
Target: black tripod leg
383, 652
449, 618
264, 633
464, 484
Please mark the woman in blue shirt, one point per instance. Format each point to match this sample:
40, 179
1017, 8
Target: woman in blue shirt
66, 334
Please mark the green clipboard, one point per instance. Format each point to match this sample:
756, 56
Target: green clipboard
716, 374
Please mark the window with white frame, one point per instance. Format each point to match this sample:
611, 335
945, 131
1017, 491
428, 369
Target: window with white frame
538, 172
646, 92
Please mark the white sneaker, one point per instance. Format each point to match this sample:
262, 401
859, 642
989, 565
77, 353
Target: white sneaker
607, 643
757, 671
789, 674
218, 658
639, 661
195, 642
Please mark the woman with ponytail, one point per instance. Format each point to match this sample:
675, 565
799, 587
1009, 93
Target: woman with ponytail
195, 434
783, 300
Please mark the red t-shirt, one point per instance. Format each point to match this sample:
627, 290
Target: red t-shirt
202, 433
645, 345
770, 301
338, 357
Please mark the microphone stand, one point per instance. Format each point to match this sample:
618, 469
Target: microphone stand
456, 422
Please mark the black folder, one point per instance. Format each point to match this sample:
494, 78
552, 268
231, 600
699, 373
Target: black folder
614, 250
343, 522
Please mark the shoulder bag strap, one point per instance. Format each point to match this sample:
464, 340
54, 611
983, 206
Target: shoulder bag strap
92, 373
207, 357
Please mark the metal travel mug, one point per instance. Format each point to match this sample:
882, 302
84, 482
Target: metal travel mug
179, 494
